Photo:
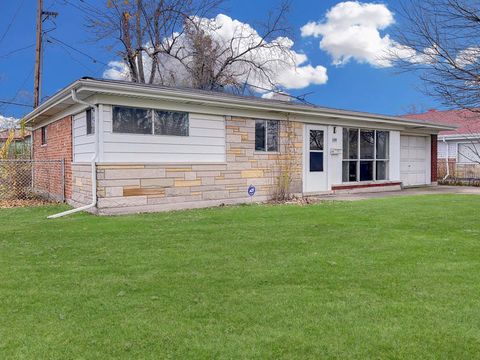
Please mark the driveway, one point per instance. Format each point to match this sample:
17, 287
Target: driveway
428, 190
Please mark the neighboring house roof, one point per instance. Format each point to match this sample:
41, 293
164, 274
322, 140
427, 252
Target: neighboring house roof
87, 87
467, 121
4, 134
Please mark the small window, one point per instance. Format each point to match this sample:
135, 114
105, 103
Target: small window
366, 170
171, 123
316, 139
266, 135
90, 120
44, 135
132, 120
367, 144
382, 170
382, 145
316, 150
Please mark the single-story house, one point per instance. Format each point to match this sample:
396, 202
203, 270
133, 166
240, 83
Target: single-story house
459, 148
145, 148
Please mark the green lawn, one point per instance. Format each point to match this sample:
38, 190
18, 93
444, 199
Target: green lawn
394, 278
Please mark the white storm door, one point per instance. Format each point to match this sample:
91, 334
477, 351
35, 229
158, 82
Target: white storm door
315, 168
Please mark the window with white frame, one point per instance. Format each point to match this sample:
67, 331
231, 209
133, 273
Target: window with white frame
365, 155
266, 135
90, 121
149, 122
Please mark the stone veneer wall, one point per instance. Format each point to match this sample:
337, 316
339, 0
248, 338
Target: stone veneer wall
81, 184
124, 188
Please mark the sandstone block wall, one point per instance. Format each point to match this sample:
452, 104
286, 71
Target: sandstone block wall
81, 184
124, 188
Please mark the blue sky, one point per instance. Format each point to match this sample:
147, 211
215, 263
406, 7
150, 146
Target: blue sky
355, 84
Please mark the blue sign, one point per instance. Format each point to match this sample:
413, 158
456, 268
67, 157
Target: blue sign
251, 190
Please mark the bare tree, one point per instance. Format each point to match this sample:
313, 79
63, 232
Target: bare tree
440, 40
173, 42
413, 109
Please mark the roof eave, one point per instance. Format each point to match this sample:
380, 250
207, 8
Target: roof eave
96, 86
60, 97
460, 136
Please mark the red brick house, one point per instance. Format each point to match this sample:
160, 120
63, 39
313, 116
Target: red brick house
460, 147
20, 145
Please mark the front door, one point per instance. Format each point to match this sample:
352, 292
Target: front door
315, 168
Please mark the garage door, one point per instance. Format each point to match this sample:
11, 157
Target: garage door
413, 160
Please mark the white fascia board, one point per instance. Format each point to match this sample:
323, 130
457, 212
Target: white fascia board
56, 99
241, 103
474, 136
113, 100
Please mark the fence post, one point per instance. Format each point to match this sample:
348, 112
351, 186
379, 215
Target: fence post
63, 180
32, 164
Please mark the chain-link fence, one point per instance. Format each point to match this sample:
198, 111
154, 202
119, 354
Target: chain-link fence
31, 179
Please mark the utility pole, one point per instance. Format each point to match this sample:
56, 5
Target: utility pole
38, 55
38, 51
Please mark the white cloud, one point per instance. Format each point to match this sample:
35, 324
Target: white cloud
467, 57
117, 70
7, 122
351, 30
277, 96
291, 70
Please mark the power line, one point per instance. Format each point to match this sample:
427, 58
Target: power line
12, 21
87, 9
54, 2
13, 100
15, 103
16, 50
78, 51
64, 48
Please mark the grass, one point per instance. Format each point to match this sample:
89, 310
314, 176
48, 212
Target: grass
395, 278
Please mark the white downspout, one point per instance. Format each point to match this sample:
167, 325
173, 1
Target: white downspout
447, 157
93, 162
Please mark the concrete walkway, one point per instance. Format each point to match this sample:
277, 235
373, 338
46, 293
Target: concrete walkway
429, 190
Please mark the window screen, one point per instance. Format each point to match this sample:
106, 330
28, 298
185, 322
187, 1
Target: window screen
171, 123
90, 121
132, 120
266, 135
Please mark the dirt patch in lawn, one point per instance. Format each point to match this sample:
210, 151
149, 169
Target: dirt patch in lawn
16, 203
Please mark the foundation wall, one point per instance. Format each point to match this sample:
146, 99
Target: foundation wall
81, 184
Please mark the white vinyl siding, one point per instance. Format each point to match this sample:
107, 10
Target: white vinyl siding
456, 148
205, 143
83, 144
468, 153
442, 150
450, 145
